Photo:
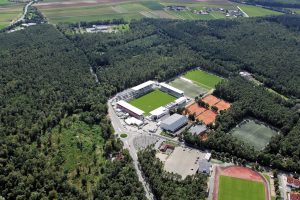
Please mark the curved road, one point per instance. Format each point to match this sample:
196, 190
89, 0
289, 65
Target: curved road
24, 13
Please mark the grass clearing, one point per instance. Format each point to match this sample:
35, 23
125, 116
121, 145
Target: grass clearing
203, 79
78, 146
191, 90
254, 11
152, 100
231, 188
254, 133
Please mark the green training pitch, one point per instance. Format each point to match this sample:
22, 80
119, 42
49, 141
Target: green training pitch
203, 79
190, 89
152, 100
231, 188
254, 133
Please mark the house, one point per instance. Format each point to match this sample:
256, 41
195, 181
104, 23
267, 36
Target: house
294, 196
165, 147
293, 182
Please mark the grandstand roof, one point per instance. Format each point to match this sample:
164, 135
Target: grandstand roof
158, 111
171, 88
130, 107
143, 85
180, 100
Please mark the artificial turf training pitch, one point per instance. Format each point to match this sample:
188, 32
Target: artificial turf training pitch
231, 188
152, 100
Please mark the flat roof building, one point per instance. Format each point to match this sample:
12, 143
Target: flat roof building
130, 109
198, 129
143, 85
204, 167
174, 122
158, 113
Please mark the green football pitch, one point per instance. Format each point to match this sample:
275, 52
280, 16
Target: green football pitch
152, 100
231, 188
254, 133
203, 79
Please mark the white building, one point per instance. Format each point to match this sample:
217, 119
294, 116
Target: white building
130, 109
171, 90
158, 113
144, 87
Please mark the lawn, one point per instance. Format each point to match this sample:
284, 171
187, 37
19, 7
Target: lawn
203, 79
254, 11
254, 133
191, 90
152, 100
231, 188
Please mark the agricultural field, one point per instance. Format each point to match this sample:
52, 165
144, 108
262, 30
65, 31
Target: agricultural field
203, 79
152, 100
256, 134
82, 10
231, 188
254, 11
9, 12
190, 89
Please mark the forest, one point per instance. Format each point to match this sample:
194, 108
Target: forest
167, 185
49, 99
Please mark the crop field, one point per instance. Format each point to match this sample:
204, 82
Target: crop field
254, 133
231, 188
84, 10
190, 89
203, 79
9, 13
254, 11
152, 100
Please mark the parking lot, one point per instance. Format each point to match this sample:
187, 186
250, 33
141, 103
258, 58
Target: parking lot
183, 161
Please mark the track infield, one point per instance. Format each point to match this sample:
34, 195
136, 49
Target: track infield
235, 183
231, 188
152, 100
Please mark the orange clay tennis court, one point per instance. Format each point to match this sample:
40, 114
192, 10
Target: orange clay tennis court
195, 108
223, 105
211, 100
207, 117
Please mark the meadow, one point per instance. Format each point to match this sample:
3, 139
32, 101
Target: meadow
254, 11
152, 100
203, 79
256, 134
231, 188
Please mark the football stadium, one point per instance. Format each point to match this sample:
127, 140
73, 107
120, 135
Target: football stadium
151, 99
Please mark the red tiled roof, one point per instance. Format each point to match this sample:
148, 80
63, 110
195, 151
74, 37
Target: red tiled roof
293, 181
294, 196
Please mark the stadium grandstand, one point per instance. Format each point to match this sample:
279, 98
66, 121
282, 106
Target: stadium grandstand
171, 90
130, 109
